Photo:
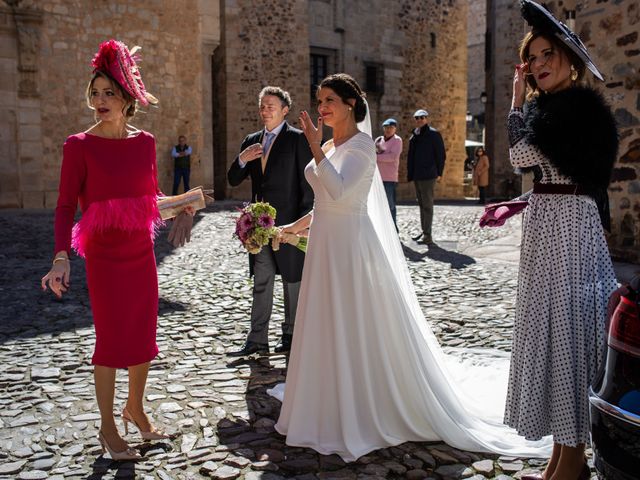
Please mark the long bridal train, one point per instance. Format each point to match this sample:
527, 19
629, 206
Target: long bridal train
366, 371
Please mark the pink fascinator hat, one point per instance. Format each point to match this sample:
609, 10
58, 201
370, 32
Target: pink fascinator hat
115, 59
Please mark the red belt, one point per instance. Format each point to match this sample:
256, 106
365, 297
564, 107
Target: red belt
560, 189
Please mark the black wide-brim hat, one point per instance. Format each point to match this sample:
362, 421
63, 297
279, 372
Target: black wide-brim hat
539, 18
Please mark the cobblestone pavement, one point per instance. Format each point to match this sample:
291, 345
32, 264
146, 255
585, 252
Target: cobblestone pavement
48, 415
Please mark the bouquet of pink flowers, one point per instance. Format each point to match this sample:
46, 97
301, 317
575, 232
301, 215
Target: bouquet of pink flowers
255, 227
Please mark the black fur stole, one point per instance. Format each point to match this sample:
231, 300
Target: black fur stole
576, 131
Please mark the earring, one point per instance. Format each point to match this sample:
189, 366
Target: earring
349, 108
574, 74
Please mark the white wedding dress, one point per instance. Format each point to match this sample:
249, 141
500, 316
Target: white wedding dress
365, 370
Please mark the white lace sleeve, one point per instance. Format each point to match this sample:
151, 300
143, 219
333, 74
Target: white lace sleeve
338, 184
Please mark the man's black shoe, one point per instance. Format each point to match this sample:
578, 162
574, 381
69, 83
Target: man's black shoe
427, 240
285, 344
249, 349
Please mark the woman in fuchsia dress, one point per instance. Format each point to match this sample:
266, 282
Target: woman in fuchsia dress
111, 171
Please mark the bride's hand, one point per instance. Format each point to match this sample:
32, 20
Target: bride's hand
290, 238
291, 228
313, 134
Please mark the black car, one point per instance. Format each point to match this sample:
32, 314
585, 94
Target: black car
614, 398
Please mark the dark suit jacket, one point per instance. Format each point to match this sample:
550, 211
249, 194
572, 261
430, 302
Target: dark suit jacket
425, 160
282, 185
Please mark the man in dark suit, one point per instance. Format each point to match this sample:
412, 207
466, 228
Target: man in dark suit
425, 164
274, 158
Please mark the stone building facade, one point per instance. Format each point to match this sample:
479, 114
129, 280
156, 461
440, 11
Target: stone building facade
206, 61
476, 95
406, 55
258, 48
609, 29
46, 48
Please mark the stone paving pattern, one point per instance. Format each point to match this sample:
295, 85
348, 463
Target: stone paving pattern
219, 407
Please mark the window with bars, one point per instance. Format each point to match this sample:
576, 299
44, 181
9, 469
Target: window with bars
374, 78
322, 62
319, 69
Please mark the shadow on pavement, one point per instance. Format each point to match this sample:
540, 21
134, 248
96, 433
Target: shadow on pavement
439, 254
27, 246
256, 439
253, 437
106, 468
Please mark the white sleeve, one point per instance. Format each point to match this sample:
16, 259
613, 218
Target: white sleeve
338, 184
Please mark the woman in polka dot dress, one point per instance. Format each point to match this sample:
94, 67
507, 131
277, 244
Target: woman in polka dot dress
566, 275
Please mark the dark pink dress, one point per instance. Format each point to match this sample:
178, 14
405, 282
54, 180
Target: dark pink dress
116, 184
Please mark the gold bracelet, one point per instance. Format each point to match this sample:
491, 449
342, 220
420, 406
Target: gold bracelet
57, 259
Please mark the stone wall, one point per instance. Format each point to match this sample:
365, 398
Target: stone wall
263, 43
206, 61
610, 32
434, 77
21, 151
418, 46
45, 54
505, 30
476, 28
418, 72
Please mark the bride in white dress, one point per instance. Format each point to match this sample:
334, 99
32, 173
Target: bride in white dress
365, 370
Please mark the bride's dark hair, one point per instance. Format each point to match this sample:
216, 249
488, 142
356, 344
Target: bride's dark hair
347, 88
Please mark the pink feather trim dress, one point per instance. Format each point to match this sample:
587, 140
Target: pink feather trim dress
115, 181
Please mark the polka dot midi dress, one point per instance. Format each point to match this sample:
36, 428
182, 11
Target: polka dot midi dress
564, 283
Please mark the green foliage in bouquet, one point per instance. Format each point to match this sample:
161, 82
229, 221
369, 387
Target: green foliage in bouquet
255, 227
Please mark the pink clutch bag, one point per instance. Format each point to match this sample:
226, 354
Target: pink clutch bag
497, 213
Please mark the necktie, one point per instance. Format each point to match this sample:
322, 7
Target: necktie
268, 139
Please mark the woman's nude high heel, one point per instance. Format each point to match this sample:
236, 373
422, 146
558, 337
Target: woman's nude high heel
128, 454
152, 435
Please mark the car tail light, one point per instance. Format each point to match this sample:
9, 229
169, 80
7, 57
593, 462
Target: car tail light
624, 329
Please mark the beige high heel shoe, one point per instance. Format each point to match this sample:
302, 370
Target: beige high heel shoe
128, 454
154, 434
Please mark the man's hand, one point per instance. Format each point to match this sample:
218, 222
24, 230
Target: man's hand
251, 153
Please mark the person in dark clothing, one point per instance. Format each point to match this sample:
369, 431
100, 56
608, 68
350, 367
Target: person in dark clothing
425, 164
181, 154
274, 158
